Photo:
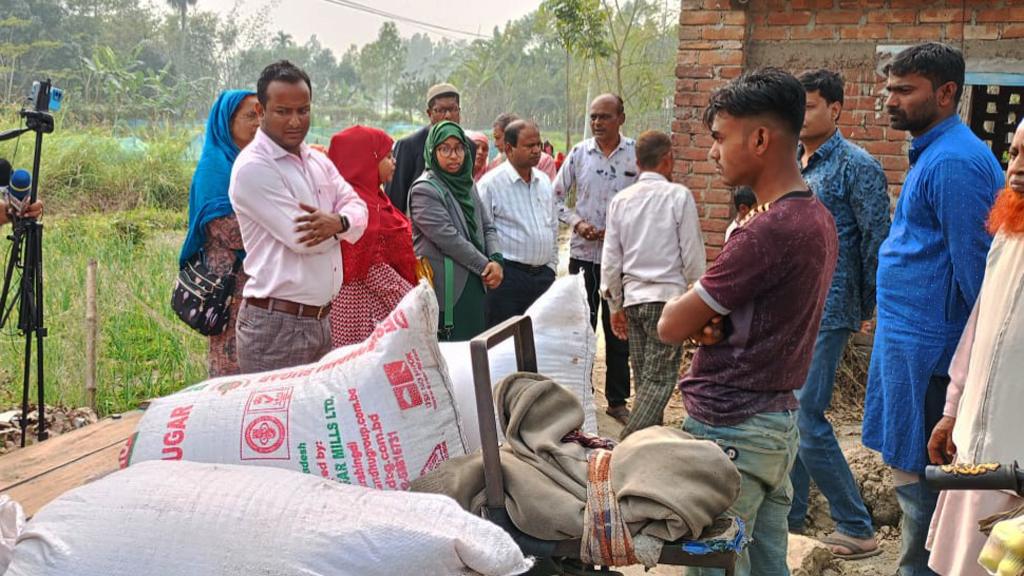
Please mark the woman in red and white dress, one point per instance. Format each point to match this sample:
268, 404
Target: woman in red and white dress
380, 268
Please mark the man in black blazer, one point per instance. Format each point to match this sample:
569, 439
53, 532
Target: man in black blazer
442, 104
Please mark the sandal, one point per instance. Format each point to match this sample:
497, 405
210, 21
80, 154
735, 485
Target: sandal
857, 550
620, 413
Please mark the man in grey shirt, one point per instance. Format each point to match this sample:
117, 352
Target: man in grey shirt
597, 169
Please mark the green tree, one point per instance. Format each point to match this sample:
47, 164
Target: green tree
182, 7
580, 25
381, 63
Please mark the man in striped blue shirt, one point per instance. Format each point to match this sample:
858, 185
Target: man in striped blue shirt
521, 202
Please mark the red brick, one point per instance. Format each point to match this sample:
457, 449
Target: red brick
718, 211
837, 17
880, 147
723, 32
892, 16
798, 18
769, 33
918, 32
720, 58
810, 4
714, 224
704, 167
694, 72
715, 238
686, 57
700, 17
893, 162
942, 15
814, 33
868, 32
981, 32
695, 182
1000, 15
689, 33
712, 252
1011, 31
691, 153
735, 18
717, 196
730, 72
698, 45
867, 133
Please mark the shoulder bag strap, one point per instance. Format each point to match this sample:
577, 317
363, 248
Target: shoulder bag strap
449, 272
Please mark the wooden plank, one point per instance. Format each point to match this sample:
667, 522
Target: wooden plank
35, 494
40, 459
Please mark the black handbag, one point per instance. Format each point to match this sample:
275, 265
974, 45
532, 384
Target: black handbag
201, 298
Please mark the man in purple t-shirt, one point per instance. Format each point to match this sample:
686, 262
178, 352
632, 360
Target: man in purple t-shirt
756, 310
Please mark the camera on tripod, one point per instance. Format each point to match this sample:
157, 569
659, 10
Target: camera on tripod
26, 292
42, 99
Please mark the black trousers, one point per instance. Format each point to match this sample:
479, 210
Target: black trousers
616, 352
520, 287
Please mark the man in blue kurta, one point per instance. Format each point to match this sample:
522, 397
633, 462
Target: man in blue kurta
929, 273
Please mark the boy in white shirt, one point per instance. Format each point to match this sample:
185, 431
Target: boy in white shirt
744, 200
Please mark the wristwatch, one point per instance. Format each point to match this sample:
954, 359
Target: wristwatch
344, 223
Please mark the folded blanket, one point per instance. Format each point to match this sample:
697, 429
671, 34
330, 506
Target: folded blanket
668, 484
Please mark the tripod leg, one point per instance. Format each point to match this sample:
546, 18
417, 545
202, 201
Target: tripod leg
40, 330
24, 388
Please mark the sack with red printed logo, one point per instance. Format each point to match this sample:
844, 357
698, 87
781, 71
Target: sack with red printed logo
379, 414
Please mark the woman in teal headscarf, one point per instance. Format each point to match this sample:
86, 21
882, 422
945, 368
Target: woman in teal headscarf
453, 231
212, 227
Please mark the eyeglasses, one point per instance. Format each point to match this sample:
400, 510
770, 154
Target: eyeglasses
446, 110
251, 117
452, 151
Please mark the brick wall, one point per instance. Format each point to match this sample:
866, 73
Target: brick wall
718, 39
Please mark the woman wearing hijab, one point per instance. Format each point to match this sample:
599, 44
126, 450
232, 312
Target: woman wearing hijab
482, 151
212, 227
453, 231
381, 267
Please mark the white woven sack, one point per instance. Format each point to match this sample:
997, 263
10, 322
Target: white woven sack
565, 343
379, 414
190, 519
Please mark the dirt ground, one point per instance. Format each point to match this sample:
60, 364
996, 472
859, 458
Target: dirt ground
867, 467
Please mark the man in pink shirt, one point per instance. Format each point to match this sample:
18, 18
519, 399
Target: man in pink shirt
293, 209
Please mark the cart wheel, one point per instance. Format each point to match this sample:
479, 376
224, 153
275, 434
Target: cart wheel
573, 567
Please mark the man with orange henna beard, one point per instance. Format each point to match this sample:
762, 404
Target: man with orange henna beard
985, 399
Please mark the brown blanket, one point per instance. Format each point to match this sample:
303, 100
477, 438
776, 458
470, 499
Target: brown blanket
668, 484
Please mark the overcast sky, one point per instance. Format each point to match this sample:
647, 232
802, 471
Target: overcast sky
337, 26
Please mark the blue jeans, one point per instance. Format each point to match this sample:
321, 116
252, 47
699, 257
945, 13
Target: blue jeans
917, 502
763, 448
820, 458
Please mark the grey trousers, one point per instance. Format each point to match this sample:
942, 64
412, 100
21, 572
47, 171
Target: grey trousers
272, 340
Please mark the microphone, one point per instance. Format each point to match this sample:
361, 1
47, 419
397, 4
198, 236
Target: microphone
5, 174
18, 191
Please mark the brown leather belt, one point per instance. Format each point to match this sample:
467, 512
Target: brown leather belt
289, 307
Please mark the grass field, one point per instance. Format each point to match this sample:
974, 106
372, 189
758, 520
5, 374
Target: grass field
144, 350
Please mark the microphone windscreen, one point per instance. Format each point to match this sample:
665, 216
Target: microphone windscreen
21, 182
